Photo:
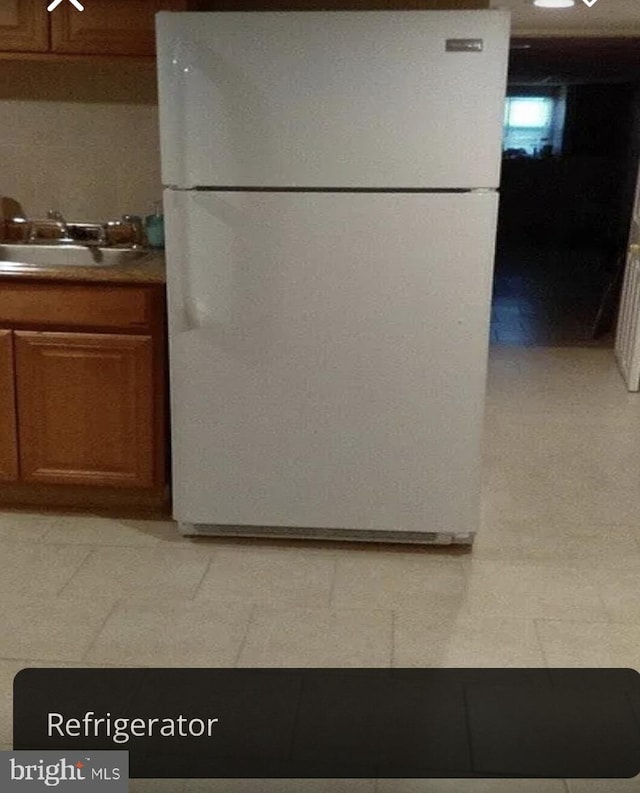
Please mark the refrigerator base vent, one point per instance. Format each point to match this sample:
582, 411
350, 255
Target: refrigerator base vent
345, 535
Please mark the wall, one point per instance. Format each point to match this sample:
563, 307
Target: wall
600, 123
79, 137
597, 122
633, 163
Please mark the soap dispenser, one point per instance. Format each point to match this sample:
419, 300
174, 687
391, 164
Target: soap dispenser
154, 226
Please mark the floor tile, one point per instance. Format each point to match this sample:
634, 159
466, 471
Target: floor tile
166, 531
594, 644
53, 629
318, 638
495, 542
455, 641
611, 550
620, 594
156, 786
38, 569
223, 786
563, 457
531, 591
172, 633
269, 576
471, 786
604, 785
161, 572
402, 580
24, 526
93, 530
556, 285
575, 644
318, 786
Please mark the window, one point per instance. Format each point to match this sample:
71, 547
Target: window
532, 125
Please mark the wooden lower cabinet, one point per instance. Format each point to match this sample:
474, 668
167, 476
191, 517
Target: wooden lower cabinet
24, 26
8, 437
86, 408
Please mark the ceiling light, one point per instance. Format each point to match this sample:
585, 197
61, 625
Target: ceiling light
554, 3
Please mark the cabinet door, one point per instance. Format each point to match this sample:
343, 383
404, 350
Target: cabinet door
109, 27
85, 408
8, 437
24, 26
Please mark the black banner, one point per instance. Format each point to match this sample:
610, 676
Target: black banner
339, 723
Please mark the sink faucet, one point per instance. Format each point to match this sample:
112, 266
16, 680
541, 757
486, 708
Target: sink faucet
127, 232
55, 220
91, 235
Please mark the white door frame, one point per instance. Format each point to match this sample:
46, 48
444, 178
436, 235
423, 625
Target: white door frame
627, 346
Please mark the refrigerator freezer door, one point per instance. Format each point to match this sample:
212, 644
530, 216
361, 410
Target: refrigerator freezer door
339, 99
328, 357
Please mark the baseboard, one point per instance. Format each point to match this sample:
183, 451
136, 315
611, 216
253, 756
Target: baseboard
119, 502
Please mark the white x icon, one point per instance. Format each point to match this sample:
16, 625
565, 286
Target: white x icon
56, 3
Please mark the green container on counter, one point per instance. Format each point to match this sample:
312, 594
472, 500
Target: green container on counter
154, 227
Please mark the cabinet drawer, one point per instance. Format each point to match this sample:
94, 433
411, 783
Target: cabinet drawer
76, 305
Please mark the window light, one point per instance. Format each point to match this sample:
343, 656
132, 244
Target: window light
554, 3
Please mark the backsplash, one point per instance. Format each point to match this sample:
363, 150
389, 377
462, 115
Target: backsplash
80, 137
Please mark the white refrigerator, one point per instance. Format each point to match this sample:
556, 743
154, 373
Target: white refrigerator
330, 200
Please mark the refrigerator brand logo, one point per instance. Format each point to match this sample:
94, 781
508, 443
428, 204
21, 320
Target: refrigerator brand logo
38, 771
465, 45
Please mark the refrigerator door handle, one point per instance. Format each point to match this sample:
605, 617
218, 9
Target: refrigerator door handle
196, 313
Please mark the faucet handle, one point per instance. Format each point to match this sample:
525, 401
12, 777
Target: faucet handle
15, 229
138, 236
54, 228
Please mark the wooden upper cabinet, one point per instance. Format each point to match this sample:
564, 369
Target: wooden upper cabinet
87, 409
334, 5
24, 26
108, 27
8, 436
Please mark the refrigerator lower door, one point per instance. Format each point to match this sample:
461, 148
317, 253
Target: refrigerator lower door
328, 361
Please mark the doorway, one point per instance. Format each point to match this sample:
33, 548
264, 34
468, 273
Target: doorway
570, 159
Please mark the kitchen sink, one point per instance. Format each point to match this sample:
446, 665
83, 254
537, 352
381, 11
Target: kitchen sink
69, 255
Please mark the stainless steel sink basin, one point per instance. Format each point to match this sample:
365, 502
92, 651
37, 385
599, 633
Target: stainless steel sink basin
69, 255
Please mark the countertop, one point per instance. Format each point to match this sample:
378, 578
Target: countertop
148, 270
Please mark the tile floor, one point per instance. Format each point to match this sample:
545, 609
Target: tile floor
552, 579
546, 294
